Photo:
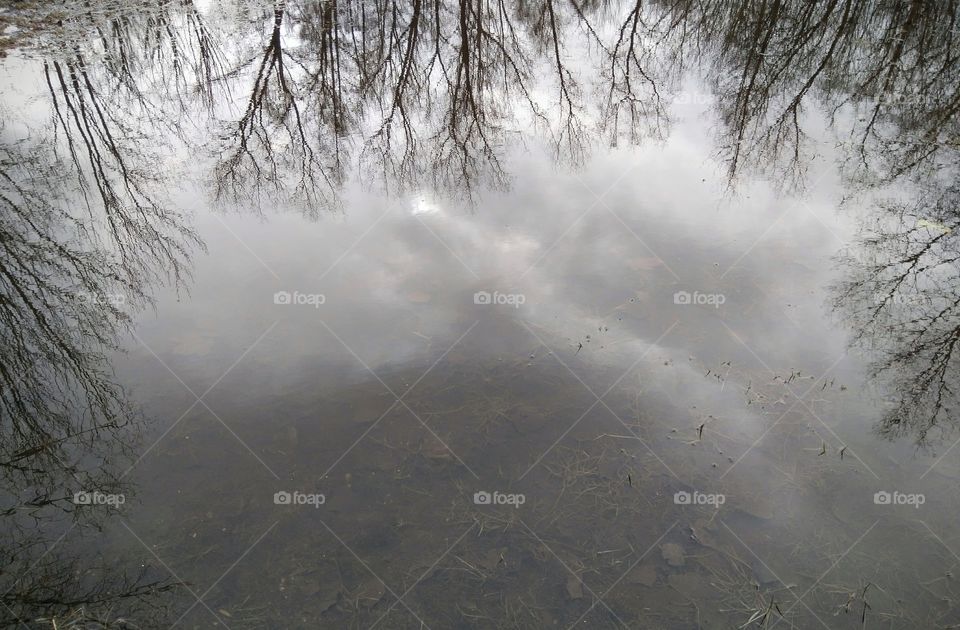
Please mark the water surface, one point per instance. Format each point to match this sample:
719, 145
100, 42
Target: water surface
622, 387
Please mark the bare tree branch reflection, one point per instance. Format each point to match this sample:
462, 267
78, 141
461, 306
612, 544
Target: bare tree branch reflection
270, 144
65, 424
439, 92
83, 240
413, 94
902, 295
887, 71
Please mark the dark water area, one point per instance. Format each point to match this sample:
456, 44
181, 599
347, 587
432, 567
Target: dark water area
478, 316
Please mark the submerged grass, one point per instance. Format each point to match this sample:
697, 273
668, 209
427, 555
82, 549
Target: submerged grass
599, 538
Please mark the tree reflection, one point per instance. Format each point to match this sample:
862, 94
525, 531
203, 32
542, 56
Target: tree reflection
84, 238
431, 91
423, 91
902, 295
269, 145
886, 71
887, 74
305, 95
65, 424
